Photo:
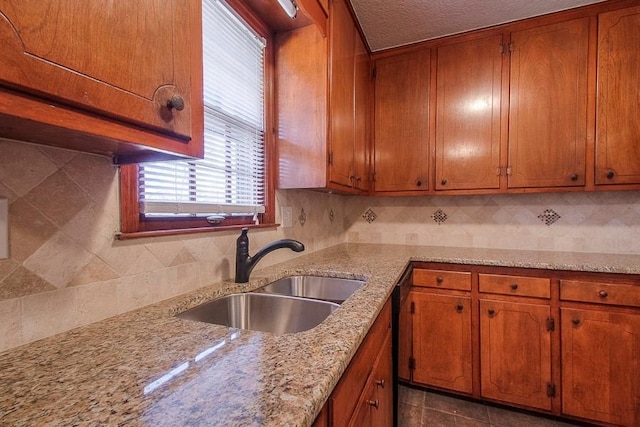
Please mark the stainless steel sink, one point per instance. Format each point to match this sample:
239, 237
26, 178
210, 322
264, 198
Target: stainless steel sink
332, 289
262, 312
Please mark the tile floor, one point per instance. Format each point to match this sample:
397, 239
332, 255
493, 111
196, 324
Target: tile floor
419, 408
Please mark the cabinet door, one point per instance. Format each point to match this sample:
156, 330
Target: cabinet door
515, 353
548, 105
341, 94
442, 341
468, 115
401, 134
362, 130
405, 334
618, 133
123, 59
601, 366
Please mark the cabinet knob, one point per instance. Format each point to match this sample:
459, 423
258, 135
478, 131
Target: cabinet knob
459, 308
575, 321
610, 174
380, 383
514, 286
374, 403
491, 312
574, 177
176, 102
419, 182
603, 294
439, 279
444, 181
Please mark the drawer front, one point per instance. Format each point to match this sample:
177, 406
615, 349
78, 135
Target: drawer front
515, 285
597, 292
460, 280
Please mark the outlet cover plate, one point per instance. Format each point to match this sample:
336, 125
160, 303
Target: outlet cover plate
4, 228
286, 214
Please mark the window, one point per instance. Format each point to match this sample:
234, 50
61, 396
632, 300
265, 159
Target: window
230, 185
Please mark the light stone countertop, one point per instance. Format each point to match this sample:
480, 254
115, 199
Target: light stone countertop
147, 367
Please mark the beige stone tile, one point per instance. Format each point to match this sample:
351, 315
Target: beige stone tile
96, 301
92, 228
23, 166
121, 255
144, 263
10, 323
164, 282
7, 266
188, 278
23, 282
58, 260
59, 156
7, 193
96, 270
134, 292
58, 198
28, 230
96, 175
49, 313
165, 249
183, 257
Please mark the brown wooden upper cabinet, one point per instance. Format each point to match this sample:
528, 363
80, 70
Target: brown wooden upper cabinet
401, 133
322, 97
617, 129
115, 78
548, 105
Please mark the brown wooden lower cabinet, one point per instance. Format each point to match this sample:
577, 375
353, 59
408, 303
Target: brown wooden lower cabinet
364, 394
558, 342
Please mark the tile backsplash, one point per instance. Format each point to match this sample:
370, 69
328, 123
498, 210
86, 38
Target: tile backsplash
65, 269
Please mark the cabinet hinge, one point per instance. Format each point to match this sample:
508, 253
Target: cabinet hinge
508, 170
413, 307
551, 390
373, 177
551, 324
330, 158
412, 363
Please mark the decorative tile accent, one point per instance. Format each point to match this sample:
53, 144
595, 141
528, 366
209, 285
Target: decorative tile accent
302, 217
439, 216
332, 215
369, 216
549, 216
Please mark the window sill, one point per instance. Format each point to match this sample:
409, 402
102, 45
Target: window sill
181, 231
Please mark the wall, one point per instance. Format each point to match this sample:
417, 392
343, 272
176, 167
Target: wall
606, 222
65, 267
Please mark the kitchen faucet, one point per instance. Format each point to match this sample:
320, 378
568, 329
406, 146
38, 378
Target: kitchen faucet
245, 263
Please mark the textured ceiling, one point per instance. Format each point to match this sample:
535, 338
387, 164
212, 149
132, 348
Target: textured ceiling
391, 23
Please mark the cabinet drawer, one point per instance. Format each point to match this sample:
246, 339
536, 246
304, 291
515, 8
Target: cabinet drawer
460, 280
515, 285
604, 293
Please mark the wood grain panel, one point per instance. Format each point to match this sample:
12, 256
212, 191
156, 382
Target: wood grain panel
362, 131
618, 133
600, 292
468, 114
548, 105
515, 285
401, 134
460, 280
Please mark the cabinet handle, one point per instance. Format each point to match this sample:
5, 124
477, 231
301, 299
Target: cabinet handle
491, 312
610, 174
459, 308
439, 279
419, 182
176, 102
380, 383
444, 181
603, 294
514, 286
575, 321
574, 177
374, 403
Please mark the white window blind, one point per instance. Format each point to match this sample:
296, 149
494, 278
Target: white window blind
230, 178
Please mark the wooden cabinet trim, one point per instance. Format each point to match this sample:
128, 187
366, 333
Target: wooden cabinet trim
515, 285
442, 279
600, 293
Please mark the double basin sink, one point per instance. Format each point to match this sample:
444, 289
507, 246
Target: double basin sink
291, 304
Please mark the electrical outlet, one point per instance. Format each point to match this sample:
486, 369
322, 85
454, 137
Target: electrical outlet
286, 214
4, 228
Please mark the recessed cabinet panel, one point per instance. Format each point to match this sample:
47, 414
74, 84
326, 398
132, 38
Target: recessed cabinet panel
123, 59
548, 105
401, 135
468, 114
515, 352
601, 366
618, 133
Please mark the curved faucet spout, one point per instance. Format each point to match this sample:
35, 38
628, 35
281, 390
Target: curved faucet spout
245, 263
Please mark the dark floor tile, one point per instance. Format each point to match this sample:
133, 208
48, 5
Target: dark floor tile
501, 417
411, 396
468, 422
456, 406
433, 418
409, 415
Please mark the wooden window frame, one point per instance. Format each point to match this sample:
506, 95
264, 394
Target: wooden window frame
133, 223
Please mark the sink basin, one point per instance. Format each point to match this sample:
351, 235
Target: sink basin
332, 289
262, 312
